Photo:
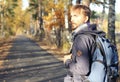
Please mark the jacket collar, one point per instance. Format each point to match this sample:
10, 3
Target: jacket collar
80, 28
84, 28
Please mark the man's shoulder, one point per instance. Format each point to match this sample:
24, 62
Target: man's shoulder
84, 37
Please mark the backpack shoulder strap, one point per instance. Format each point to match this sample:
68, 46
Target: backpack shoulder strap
98, 43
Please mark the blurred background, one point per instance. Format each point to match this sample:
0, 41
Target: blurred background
49, 20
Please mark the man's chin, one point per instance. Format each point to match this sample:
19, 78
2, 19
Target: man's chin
73, 28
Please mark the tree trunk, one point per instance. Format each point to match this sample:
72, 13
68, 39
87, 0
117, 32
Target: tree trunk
78, 1
103, 12
58, 37
111, 21
83, 2
41, 30
1, 21
86, 2
70, 2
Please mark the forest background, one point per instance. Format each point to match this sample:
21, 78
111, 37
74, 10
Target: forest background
49, 20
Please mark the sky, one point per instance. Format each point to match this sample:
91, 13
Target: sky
93, 7
25, 4
99, 8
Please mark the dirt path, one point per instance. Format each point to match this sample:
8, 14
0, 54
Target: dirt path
27, 62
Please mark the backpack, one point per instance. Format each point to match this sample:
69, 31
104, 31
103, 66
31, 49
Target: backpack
104, 64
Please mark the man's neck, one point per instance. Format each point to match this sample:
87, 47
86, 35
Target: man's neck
81, 27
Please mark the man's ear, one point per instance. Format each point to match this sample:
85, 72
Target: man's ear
86, 18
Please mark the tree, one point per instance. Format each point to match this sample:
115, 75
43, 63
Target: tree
111, 21
36, 10
84, 2
55, 19
78, 1
7, 14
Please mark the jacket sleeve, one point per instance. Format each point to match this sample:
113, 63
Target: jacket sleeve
67, 63
80, 54
80, 50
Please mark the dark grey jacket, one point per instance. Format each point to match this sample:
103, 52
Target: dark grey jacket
81, 50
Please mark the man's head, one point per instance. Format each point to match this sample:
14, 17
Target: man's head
80, 14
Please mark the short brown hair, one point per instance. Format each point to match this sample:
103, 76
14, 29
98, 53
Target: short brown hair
82, 8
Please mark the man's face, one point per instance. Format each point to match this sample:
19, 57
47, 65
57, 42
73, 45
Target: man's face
77, 19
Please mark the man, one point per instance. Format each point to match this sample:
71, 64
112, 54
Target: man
78, 62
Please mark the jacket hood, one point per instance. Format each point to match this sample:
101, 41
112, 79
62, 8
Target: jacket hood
100, 33
89, 28
85, 27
